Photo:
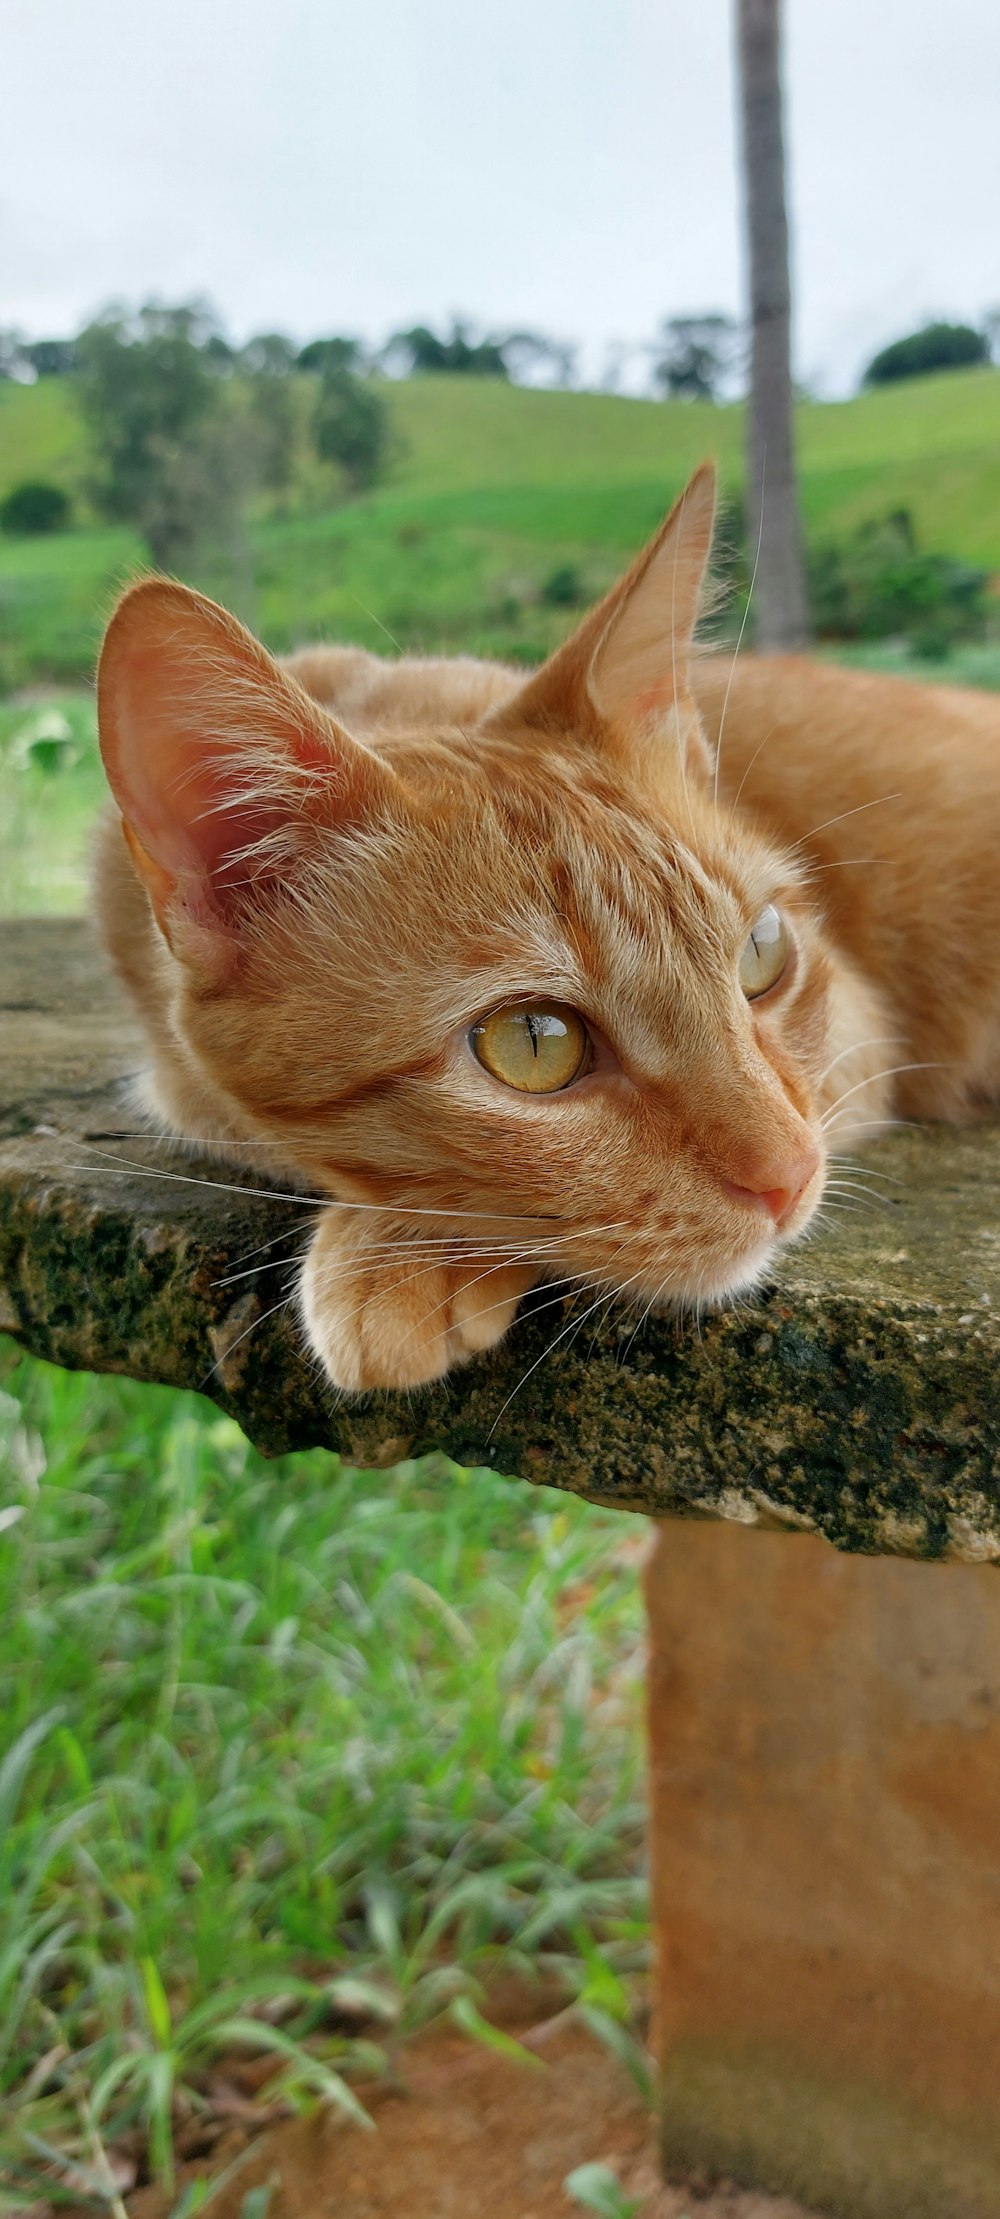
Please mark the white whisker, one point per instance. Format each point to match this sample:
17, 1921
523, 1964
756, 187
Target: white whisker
284, 1304
829, 822
856, 1047
553, 1345
893, 1072
277, 1194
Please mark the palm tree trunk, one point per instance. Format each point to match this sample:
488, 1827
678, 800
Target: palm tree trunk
780, 612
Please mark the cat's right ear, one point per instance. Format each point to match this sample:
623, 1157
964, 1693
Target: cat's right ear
222, 767
623, 677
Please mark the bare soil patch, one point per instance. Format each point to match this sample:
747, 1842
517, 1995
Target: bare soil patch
473, 2135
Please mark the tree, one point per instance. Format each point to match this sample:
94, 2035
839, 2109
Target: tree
330, 354
694, 354
272, 429
351, 427
270, 355
780, 603
934, 347
420, 350
530, 358
52, 358
166, 456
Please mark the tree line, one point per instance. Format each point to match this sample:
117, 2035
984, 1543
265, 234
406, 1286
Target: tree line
185, 428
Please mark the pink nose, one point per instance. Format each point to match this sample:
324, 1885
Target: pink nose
791, 1182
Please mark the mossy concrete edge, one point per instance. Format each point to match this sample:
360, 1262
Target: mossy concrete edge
855, 1398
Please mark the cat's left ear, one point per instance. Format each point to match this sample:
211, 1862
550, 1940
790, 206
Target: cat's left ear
223, 769
625, 671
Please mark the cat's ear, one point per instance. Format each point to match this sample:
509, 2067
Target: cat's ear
221, 765
627, 665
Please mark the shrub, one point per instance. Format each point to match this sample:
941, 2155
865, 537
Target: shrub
935, 347
35, 506
880, 583
564, 588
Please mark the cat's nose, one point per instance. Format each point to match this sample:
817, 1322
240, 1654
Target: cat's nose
779, 1186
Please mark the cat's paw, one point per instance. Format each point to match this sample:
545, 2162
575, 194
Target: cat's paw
396, 1319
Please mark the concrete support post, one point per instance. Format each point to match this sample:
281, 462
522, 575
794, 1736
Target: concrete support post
825, 1761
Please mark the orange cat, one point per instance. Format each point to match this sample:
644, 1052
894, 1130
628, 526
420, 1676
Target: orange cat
488, 962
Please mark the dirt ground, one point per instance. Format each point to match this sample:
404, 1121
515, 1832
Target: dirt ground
474, 2136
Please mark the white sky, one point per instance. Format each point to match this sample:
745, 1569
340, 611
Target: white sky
562, 164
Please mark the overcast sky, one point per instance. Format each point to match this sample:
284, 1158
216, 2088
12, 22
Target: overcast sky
562, 164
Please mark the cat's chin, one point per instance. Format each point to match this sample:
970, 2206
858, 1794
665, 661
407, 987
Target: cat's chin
741, 1275
714, 1291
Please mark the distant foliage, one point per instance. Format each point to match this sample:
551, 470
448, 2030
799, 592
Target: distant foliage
351, 427
273, 429
148, 396
526, 357
935, 347
270, 355
880, 584
564, 587
52, 358
35, 506
693, 356
321, 355
13, 357
533, 359
421, 349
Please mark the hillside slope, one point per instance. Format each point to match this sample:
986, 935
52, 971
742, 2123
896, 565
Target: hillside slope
493, 488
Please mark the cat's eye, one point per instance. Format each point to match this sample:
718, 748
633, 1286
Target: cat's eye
766, 953
538, 1050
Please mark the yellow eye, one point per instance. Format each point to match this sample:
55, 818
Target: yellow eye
765, 955
538, 1050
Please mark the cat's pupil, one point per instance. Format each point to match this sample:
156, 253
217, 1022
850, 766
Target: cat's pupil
765, 954
537, 1051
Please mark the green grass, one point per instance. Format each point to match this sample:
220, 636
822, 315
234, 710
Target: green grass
51, 787
287, 1730
972, 664
492, 488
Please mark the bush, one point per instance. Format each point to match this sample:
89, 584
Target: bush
879, 584
935, 347
564, 588
35, 506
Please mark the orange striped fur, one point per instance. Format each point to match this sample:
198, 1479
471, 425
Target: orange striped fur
334, 867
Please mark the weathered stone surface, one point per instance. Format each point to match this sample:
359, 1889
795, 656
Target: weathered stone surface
824, 1737
856, 1398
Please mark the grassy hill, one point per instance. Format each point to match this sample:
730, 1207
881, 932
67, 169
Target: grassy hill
493, 488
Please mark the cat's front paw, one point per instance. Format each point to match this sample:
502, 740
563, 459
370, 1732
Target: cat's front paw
395, 1319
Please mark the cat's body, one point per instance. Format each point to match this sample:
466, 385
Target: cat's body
340, 925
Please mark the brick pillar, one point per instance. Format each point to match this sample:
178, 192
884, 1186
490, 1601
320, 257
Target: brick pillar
825, 1777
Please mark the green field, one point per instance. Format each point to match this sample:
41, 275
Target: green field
492, 488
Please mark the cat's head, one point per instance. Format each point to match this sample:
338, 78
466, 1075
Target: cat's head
528, 971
